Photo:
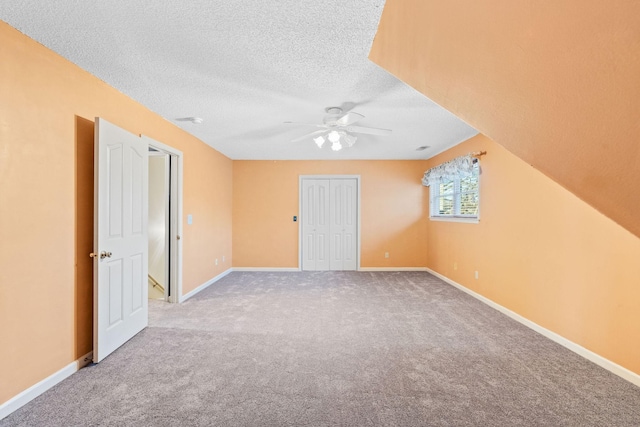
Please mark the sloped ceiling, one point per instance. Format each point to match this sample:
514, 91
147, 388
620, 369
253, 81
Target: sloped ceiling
556, 83
245, 67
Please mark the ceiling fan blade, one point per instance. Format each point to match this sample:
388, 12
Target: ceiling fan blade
349, 119
315, 125
367, 130
309, 135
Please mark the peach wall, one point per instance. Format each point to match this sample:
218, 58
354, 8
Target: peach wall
555, 82
47, 111
545, 254
265, 199
208, 197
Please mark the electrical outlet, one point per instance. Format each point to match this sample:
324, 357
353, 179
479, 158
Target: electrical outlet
386, 254
477, 275
222, 258
216, 261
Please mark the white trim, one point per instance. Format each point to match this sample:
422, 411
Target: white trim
21, 399
300, 242
266, 269
204, 286
455, 219
293, 269
358, 180
393, 269
162, 147
176, 169
607, 364
176, 179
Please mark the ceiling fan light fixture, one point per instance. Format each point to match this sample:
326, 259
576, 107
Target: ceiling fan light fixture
349, 139
334, 136
338, 129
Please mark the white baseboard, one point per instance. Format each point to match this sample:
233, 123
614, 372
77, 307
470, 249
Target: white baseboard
393, 269
607, 364
266, 269
204, 286
288, 269
36, 390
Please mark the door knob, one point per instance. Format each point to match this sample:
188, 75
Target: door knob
103, 255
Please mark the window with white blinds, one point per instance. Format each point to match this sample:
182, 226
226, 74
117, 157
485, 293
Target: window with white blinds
456, 198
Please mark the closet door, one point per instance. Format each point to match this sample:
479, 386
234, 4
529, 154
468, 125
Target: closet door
315, 224
343, 224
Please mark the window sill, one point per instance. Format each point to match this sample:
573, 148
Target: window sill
455, 219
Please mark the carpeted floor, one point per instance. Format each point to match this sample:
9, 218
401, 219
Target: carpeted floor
335, 349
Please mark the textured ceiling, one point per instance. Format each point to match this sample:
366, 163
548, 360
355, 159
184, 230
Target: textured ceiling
245, 67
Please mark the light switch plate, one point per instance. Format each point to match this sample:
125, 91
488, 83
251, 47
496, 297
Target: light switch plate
189, 219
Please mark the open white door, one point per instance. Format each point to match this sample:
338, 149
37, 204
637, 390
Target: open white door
121, 204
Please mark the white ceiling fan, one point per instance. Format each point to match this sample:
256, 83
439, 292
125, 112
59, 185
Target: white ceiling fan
338, 128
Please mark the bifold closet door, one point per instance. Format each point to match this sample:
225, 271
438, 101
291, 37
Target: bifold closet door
329, 224
315, 224
343, 224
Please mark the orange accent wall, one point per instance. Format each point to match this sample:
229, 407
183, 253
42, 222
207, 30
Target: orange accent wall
47, 111
555, 82
545, 254
394, 208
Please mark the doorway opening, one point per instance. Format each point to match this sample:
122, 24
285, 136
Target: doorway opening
165, 212
159, 225
120, 242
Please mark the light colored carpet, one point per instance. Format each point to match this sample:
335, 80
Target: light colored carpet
335, 349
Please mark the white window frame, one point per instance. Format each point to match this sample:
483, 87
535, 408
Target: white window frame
434, 195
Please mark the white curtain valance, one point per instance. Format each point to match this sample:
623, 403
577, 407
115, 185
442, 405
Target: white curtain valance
460, 167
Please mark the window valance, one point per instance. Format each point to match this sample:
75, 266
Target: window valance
460, 167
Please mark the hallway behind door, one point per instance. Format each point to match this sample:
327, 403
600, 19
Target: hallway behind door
158, 279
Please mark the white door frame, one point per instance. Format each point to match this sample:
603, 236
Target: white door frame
175, 215
167, 226
300, 242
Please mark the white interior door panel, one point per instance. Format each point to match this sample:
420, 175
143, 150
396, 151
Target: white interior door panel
329, 223
120, 239
315, 224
